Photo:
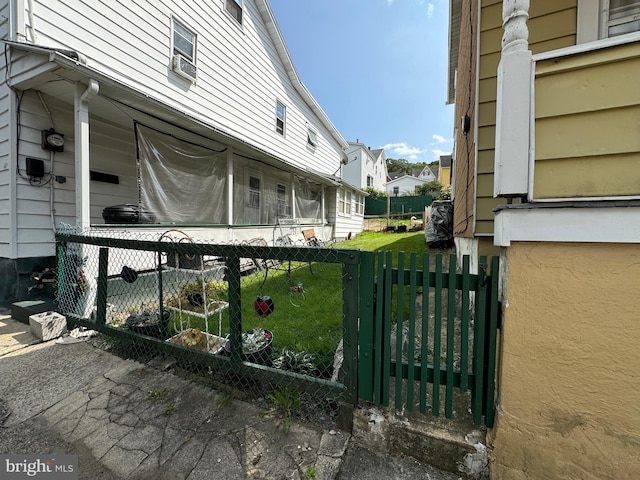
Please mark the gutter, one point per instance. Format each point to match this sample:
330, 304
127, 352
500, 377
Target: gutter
77, 62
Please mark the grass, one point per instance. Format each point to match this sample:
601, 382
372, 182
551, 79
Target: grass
311, 324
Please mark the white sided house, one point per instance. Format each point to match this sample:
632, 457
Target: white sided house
191, 111
365, 167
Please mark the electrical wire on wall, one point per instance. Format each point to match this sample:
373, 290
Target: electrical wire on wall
466, 128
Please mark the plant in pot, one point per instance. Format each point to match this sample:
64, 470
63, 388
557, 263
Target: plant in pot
149, 321
256, 346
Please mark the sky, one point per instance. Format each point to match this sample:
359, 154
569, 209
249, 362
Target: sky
378, 69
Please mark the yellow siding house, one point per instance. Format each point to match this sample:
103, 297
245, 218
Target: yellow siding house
547, 173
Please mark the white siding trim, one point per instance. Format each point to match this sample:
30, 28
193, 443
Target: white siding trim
588, 21
568, 224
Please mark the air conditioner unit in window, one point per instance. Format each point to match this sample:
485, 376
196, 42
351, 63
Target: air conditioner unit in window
184, 67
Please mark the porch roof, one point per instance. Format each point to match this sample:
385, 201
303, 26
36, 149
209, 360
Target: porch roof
42, 68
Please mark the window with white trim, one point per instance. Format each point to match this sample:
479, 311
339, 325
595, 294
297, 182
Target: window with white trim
359, 204
254, 192
344, 202
184, 41
281, 199
620, 17
312, 138
369, 181
281, 117
234, 8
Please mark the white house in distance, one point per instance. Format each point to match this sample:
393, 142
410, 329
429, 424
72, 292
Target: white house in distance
192, 112
365, 167
405, 184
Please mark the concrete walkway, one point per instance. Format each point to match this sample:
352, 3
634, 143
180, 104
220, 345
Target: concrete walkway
127, 420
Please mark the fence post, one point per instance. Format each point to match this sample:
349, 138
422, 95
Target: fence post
490, 342
101, 299
350, 326
235, 307
366, 327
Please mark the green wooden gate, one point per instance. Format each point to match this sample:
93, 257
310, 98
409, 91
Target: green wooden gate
445, 328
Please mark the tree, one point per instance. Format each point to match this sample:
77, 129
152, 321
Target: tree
399, 165
434, 188
373, 193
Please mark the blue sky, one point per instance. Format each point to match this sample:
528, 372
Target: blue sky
378, 68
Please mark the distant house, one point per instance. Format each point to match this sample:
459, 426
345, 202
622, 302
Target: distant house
444, 172
190, 111
365, 167
404, 185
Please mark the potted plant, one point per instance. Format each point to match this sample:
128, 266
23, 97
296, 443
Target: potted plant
149, 322
256, 346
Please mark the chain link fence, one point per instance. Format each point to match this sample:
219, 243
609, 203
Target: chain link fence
268, 323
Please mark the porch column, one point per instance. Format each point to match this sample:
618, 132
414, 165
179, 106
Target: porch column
513, 109
83, 95
294, 214
230, 175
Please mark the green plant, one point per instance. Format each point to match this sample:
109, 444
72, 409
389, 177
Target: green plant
310, 472
170, 408
286, 402
156, 394
298, 362
225, 400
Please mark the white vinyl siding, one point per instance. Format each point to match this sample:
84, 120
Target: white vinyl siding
239, 71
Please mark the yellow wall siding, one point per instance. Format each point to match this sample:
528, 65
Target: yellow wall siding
552, 25
587, 110
569, 359
588, 177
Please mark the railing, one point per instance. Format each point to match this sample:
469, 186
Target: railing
415, 355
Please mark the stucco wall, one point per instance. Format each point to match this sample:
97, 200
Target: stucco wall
568, 385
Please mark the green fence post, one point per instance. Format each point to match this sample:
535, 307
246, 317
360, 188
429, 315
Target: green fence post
424, 345
350, 328
478, 343
437, 336
464, 325
399, 324
379, 339
101, 295
451, 319
413, 275
235, 307
366, 335
490, 340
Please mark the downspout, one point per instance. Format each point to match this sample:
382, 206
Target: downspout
81, 103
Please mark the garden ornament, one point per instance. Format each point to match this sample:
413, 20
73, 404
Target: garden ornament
263, 305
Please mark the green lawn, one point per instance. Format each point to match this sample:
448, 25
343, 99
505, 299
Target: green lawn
312, 323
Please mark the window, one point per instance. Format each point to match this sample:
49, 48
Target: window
312, 138
281, 112
396, 191
234, 8
622, 16
359, 204
344, 202
369, 181
253, 199
184, 41
281, 199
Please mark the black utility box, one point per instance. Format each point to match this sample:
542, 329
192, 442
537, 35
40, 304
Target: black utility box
126, 213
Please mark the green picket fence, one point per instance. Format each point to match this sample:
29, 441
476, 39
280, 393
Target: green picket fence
410, 356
